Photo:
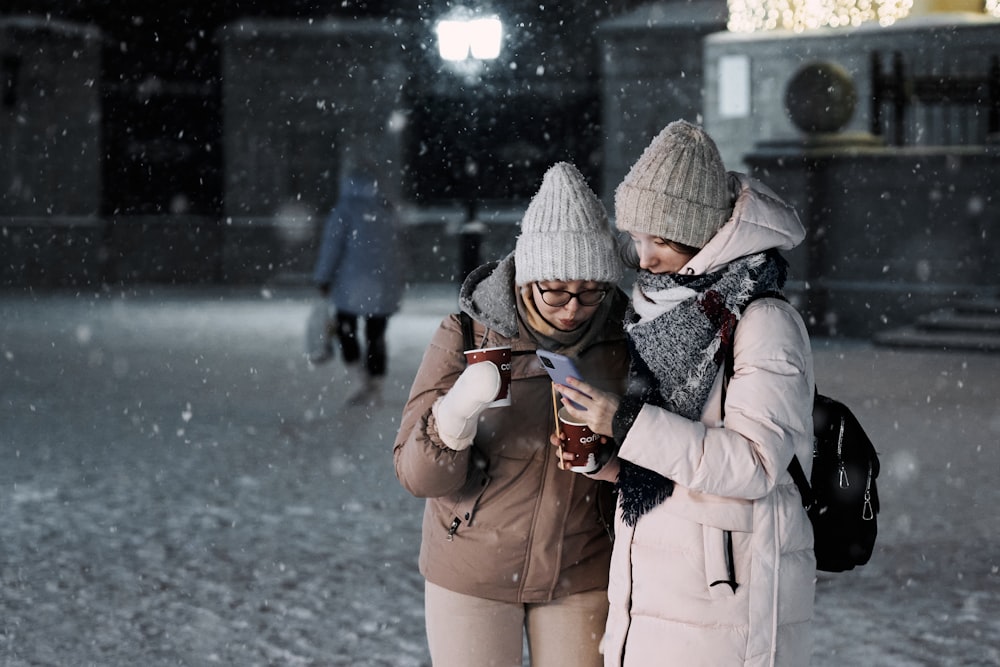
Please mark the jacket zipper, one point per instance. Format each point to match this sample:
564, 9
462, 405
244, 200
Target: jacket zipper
453, 528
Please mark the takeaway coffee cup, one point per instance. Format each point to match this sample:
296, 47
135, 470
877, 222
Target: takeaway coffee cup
501, 357
579, 441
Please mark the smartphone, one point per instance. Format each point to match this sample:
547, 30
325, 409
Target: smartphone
559, 367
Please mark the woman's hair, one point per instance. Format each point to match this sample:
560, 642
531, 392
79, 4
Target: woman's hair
629, 257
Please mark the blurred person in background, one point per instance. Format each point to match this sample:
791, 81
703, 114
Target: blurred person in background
359, 269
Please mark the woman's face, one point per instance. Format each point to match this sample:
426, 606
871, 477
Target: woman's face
576, 294
658, 255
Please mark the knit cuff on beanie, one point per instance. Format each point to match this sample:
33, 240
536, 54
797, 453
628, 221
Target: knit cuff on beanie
683, 221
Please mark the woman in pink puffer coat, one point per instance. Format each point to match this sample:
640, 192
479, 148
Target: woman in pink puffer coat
713, 562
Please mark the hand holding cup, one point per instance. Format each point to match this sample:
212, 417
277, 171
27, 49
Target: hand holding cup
607, 461
500, 356
580, 445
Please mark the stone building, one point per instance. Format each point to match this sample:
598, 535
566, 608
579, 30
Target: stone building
50, 140
898, 191
652, 68
299, 104
746, 77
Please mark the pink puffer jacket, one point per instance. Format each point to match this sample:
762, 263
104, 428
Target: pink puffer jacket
733, 493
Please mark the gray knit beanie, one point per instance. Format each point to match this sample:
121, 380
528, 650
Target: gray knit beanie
565, 233
677, 190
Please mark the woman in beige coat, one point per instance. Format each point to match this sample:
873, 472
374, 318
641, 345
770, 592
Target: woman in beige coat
512, 545
713, 562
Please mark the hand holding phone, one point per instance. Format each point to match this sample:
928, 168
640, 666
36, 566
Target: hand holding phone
560, 367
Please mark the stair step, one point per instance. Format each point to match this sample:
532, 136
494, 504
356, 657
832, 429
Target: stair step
911, 336
951, 319
982, 305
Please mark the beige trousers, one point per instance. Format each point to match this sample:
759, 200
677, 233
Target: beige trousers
466, 631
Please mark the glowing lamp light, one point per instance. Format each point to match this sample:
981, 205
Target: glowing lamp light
485, 35
458, 38
453, 41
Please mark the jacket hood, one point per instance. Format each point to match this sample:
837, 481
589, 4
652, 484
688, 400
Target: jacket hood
760, 221
488, 296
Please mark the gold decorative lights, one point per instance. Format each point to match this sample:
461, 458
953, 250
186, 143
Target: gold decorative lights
800, 15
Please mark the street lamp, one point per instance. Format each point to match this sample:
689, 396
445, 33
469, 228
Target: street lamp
468, 39
464, 34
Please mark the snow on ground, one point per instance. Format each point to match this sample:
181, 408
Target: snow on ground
178, 487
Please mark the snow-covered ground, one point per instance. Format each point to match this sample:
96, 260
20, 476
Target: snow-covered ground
178, 487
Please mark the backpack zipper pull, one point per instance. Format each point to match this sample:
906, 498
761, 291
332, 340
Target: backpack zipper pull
844, 482
867, 512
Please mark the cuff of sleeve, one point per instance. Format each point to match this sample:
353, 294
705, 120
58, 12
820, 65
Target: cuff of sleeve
628, 411
443, 440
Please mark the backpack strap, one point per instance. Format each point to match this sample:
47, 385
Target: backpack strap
799, 475
467, 335
794, 467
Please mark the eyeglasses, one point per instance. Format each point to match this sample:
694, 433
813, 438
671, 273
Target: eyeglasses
560, 297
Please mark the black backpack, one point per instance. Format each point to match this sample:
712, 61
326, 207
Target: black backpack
841, 496
842, 499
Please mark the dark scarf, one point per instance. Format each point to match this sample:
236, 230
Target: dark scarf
677, 350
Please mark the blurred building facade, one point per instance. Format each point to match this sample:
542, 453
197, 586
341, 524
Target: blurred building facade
215, 131
891, 162
202, 143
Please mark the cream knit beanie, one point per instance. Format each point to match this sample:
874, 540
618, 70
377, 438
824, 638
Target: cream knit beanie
565, 233
677, 190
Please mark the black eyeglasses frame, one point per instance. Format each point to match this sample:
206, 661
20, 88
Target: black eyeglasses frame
572, 295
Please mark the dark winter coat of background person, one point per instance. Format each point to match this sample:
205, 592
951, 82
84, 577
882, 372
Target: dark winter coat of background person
359, 255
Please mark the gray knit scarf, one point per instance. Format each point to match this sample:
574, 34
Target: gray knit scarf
677, 353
